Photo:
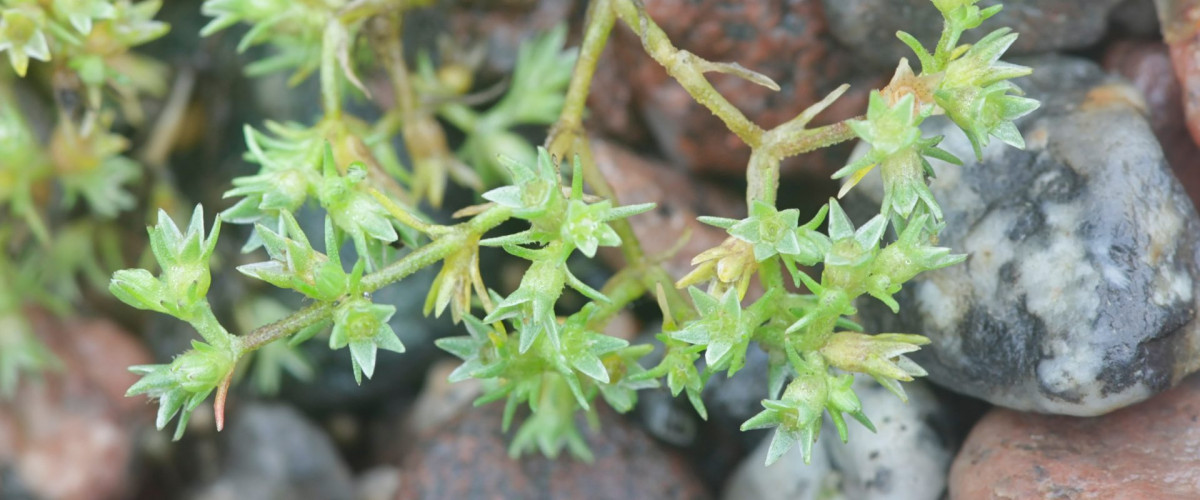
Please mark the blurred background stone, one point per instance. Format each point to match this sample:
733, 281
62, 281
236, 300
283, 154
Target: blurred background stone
71, 434
1147, 451
868, 27
270, 451
468, 458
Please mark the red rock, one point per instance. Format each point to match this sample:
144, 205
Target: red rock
785, 40
1147, 451
1148, 66
469, 459
1180, 32
70, 433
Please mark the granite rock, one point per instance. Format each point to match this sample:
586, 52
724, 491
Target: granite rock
1148, 66
789, 478
868, 27
1080, 291
908, 456
1148, 451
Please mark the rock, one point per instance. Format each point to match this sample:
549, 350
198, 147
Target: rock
908, 458
1080, 291
868, 27
786, 40
789, 478
1136, 18
909, 455
469, 459
1148, 67
71, 433
271, 451
440, 401
1147, 451
379, 483
1181, 33
680, 198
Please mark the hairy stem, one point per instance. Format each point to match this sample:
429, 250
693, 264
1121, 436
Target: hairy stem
207, 325
686, 69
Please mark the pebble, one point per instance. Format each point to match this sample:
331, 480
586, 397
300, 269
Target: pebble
1147, 65
468, 458
1150, 451
908, 458
1181, 34
1080, 291
868, 27
680, 198
272, 451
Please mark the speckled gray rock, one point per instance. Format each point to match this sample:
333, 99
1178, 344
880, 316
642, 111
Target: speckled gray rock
869, 27
909, 456
272, 452
907, 459
789, 478
1080, 293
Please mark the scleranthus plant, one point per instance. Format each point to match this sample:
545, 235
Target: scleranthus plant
527, 348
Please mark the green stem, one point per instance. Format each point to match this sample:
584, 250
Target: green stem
331, 90
299, 320
462, 117
599, 26
762, 177
396, 271
207, 325
945, 47
771, 273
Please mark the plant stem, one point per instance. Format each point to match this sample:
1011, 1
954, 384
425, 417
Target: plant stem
396, 271
684, 67
568, 137
331, 90
263, 335
207, 325
599, 26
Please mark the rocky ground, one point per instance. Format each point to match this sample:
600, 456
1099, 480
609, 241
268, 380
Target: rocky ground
1061, 349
